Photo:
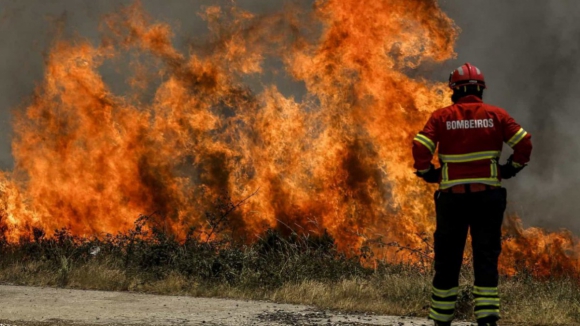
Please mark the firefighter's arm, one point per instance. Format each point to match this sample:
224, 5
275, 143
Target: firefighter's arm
424, 145
520, 140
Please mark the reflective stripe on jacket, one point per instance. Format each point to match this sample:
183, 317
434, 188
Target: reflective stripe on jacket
469, 136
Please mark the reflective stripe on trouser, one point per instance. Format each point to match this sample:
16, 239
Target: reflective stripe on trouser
486, 302
443, 304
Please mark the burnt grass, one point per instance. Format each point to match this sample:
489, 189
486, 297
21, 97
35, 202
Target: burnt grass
279, 266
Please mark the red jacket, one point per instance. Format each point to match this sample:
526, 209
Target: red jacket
470, 135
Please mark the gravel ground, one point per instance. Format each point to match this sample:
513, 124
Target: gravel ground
29, 306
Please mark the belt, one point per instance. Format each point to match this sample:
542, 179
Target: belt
467, 188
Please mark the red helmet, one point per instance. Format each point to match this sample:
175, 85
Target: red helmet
466, 75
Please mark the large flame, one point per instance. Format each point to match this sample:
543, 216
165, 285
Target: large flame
190, 129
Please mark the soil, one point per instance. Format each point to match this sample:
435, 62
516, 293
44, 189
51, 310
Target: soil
30, 306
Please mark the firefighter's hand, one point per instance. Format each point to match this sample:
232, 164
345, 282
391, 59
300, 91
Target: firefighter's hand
509, 170
431, 176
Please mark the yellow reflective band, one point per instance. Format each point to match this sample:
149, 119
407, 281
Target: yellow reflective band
445, 293
486, 313
426, 142
445, 173
469, 157
486, 181
517, 165
485, 288
517, 137
440, 317
494, 168
485, 291
442, 305
424, 171
487, 302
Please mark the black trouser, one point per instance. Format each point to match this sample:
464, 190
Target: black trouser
481, 213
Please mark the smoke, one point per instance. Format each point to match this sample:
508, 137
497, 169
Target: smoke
529, 53
527, 50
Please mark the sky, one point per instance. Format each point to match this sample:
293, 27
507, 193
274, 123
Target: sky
528, 50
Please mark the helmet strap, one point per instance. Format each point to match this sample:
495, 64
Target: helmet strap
460, 92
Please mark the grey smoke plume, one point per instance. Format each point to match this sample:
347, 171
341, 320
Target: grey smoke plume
528, 50
530, 54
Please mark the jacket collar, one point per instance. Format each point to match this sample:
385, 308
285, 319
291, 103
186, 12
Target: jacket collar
469, 99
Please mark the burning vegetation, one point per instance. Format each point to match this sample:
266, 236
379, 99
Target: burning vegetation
190, 132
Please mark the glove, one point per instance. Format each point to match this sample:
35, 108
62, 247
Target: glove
508, 170
431, 176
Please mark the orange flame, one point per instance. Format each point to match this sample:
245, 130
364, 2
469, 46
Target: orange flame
337, 159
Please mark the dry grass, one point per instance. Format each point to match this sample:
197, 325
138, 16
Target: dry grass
547, 302
390, 295
524, 300
303, 270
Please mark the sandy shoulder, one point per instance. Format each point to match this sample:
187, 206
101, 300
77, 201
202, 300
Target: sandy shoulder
30, 304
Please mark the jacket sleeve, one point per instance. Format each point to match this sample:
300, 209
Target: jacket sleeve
518, 139
424, 145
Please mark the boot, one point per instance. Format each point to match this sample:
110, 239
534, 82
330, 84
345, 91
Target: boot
441, 323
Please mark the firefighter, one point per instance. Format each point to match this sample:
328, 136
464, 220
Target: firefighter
469, 136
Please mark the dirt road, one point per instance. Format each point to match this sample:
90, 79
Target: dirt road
26, 306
